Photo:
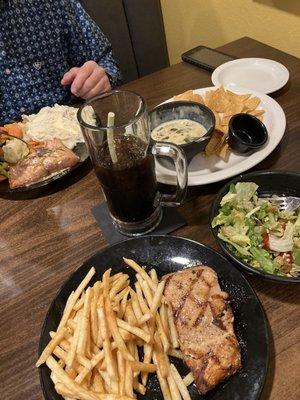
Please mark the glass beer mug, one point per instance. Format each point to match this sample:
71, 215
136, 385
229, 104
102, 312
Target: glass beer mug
116, 130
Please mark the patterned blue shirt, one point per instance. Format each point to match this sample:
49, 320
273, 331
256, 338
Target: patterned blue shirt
40, 40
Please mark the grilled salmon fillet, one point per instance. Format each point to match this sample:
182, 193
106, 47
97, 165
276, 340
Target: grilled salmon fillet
43, 160
204, 323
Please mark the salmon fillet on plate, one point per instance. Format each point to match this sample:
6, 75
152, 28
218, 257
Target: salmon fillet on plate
44, 159
204, 322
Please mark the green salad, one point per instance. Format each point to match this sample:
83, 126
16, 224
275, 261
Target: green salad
257, 232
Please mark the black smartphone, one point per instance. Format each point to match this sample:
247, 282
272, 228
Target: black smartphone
206, 58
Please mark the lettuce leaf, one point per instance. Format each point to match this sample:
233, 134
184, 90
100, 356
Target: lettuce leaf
285, 243
263, 258
244, 192
242, 250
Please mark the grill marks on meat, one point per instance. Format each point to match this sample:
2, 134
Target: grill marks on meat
204, 323
43, 160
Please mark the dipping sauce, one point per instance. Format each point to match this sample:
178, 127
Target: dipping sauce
178, 131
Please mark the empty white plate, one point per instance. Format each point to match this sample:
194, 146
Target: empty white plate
257, 74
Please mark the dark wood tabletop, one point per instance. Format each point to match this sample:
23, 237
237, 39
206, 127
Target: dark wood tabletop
43, 239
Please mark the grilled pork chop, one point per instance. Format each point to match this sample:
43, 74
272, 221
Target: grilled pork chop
204, 323
43, 160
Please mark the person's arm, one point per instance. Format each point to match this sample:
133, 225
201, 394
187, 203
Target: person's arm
90, 53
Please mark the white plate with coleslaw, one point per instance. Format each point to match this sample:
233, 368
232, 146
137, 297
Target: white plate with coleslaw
205, 170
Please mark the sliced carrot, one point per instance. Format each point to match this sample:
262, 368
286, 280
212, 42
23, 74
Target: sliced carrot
14, 130
2, 178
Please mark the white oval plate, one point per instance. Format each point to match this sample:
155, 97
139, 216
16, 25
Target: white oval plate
204, 170
259, 74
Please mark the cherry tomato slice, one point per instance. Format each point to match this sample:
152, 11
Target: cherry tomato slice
266, 241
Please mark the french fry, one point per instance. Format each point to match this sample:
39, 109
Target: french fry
121, 371
146, 289
173, 388
106, 380
71, 385
118, 285
82, 346
112, 323
173, 331
148, 351
157, 297
136, 305
74, 343
79, 304
129, 314
153, 276
97, 382
161, 332
111, 365
71, 372
180, 384
143, 305
159, 357
176, 353
188, 379
106, 282
85, 371
126, 336
63, 390
140, 271
58, 336
163, 313
145, 318
121, 295
134, 330
122, 308
75, 297
128, 380
94, 316
143, 367
163, 385
65, 345
54, 378
138, 387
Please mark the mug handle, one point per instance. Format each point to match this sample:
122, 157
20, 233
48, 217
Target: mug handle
179, 158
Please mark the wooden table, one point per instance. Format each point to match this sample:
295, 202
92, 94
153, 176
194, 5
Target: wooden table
43, 239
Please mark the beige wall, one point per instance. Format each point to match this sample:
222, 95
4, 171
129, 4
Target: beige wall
189, 23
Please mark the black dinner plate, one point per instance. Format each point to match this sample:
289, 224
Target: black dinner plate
80, 150
168, 254
280, 183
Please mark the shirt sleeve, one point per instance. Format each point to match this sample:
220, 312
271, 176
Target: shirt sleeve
88, 42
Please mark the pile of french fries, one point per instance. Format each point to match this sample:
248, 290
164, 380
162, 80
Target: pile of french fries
112, 336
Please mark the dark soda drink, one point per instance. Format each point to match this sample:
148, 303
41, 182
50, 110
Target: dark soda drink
129, 184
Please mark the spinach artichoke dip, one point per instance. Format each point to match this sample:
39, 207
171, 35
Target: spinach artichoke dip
178, 131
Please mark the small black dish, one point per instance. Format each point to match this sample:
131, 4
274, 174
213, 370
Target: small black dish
185, 110
270, 183
170, 254
246, 133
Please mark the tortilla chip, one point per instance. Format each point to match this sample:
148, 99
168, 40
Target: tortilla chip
257, 113
234, 96
215, 143
234, 108
225, 120
252, 103
222, 128
224, 152
189, 96
217, 118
